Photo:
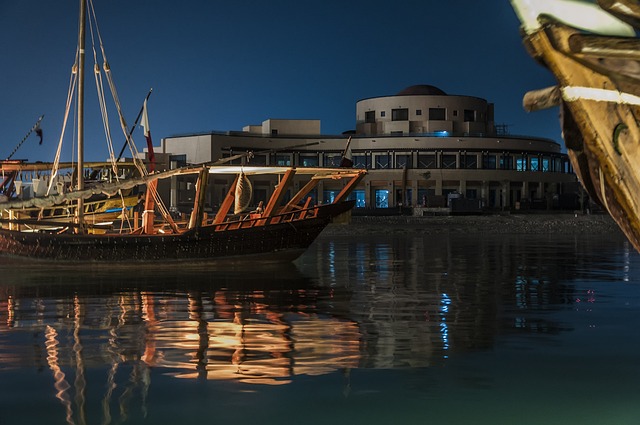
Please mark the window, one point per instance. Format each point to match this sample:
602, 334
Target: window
361, 161
274, 132
397, 133
506, 162
455, 113
258, 160
383, 114
332, 159
309, 161
329, 196
534, 163
418, 112
469, 115
382, 198
400, 114
382, 161
437, 114
469, 161
546, 162
370, 116
180, 160
489, 161
448, 161
521, 163
403, 161
283, 160
427, 161
358, 196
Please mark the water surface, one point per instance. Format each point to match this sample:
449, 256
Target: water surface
411, 329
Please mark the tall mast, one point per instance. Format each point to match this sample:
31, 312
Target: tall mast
81, 37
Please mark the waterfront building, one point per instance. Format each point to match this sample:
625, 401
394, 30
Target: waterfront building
423, 149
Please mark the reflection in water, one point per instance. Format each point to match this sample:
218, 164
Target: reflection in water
367, 303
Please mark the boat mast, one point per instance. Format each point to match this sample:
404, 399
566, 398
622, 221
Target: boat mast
81, 37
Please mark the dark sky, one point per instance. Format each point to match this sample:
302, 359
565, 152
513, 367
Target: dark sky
222, 65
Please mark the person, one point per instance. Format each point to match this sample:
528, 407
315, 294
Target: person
139, 208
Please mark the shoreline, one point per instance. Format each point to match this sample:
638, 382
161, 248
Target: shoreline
494, 224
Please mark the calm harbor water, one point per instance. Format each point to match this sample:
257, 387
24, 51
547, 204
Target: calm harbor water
402, 329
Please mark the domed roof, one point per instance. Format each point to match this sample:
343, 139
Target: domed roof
421, 90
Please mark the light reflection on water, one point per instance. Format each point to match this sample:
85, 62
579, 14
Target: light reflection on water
396, 303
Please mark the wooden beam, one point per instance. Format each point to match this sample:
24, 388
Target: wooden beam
278, 194
346, 190
601, 46
198, 206
301, 194
227, 203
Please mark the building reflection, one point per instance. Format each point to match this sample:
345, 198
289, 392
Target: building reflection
402, 302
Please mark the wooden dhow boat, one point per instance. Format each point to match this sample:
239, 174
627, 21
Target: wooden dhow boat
593, 52
279, 229
276, 232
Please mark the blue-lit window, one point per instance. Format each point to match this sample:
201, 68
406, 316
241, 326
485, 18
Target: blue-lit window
546, 164
329, 196
534, 163
358, 196
521, 163
382, 198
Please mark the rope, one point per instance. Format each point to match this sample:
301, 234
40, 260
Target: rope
123, 125
72, 85
35, 127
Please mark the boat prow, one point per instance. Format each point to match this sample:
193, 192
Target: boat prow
597, 66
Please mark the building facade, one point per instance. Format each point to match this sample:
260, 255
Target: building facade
422, 148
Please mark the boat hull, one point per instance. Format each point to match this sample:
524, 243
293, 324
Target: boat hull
279, 242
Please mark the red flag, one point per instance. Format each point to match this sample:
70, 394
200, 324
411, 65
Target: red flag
147, 135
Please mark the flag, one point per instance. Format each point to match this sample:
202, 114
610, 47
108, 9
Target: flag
147, 135
38, 130
346, 161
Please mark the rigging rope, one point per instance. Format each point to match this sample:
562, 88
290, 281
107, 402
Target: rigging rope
123, 125
72, 85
